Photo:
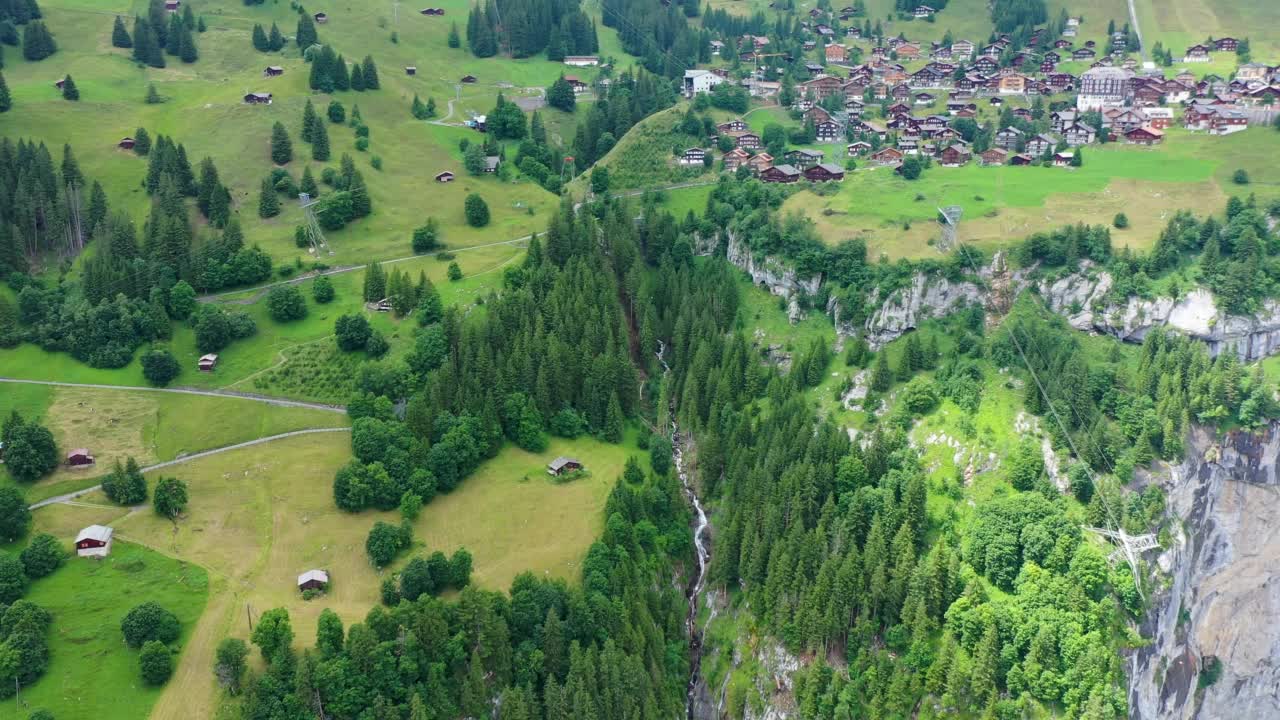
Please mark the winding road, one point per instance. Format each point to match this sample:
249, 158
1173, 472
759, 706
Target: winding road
281, 402
67, 497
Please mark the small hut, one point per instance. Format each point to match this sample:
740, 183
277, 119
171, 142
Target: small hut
273, 71
562, 465
80, 457
410, 70
126, 143
444, 177
258, 98
321, 18
207, 362
172, 5
313, 580
468, 79
94, 541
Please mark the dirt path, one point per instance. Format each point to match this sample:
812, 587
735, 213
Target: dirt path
282, 402
68, 497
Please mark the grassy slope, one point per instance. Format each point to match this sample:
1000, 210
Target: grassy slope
241, 361
1179, 23
150, 427
204, 110
260, 516
1189, 171
92, 674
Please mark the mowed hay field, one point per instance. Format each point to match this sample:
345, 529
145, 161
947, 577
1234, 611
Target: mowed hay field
1180, 23
242, 363
151, 427
260, 516
204, 110
93, 675
1004, 204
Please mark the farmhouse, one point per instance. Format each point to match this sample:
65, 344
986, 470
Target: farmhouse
79, 457
760, 162
1226, 44
828, 131
273, 71
1196, 53
125, 143
258, 98
693, 156
582, 60
954, 156
735, 158
780, 174
887, 156
207, 362
824, 172
746, 140
994, 156
313, 580
94, 541
803, 157
1020, 159
858, 149
1144, 136
1062, 159
562, 465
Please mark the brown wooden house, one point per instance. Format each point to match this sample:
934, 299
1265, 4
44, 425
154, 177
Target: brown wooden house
780, 174
80, 457
273, 71
125, 143
562, 465
824, 172
444, 177
207, 362
313, 580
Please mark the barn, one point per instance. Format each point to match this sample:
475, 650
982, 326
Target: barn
126, 143
272, 71
207, 362
313, 580
258, 98
80, 457
445, 176
468, 79
94, 541
562, 465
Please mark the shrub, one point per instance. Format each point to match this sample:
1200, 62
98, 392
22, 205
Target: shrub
160, 367
1241, 177
322, 290
156, 663
1121, 221
286, 304
42, 556
385, 541
170, 498
352, 331
455, 272
149, 622
477, 211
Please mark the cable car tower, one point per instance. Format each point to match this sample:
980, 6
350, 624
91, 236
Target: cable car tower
311, 225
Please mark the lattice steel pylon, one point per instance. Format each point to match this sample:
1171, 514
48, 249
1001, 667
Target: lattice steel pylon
312, 226
949, 219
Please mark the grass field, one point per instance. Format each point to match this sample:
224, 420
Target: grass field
259, 516
204, 110
92, 674
150, 427
1191, 172
1180, 23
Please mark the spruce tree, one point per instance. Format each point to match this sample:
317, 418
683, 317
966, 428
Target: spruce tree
260, 42
275, 39
306, 33
417, 109
341, 78
308, 183
336, 112
281, 147
454, 40
69, 89
309, 122
6, 102
119, 36
37, 42
173, 36
320, 142
431, 107
268, 202
187, 50
357, 79
370, 73
153, 95
141, 142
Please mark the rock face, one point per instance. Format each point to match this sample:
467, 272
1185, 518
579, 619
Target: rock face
1223, 595
905, 308
772, 273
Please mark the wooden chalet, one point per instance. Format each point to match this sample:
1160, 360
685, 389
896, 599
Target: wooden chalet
1226, 44
760, 162
954, 156
444, 177
858, 149
735, 158
803, 157
410, 70
126, 143
273, 71
257, 98
781, 174
732, 126
1145, 135
693, 156
887, 156
80, 457
207, 363
824, 172
1197, 53
994, 156
94, 541
1063, 159
562, 465
467, 79
747, 140
313, 580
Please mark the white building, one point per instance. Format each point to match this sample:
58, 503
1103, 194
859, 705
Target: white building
582, 60
697, 82
94, 541
1104, 87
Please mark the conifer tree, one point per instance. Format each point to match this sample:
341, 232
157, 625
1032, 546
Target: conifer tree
357, 78
37, 42
370, 72
119, 36
153, 95
308, 183
881, 375
268, 202
340, 75
319, 142
141, 141
173, 36
275, 39
187, 50
454, 40
417, 109
69, 89
6, 101
306, 33
309, 122
260, 42
431, 107
281, 147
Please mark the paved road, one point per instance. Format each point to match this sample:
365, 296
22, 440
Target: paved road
188, 391
66, 497
261, 290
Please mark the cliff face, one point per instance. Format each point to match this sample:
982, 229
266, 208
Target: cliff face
1222, 594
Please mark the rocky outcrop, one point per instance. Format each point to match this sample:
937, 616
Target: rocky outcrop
772, 273
926, 297
1221, 596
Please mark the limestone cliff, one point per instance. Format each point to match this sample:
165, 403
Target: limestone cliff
1220, 595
